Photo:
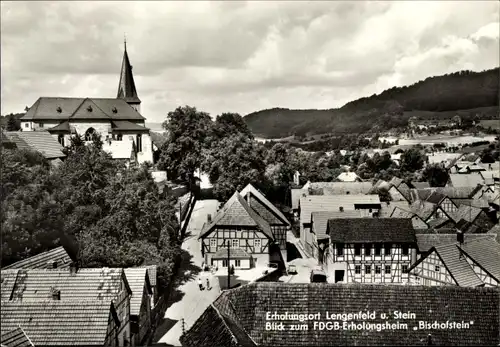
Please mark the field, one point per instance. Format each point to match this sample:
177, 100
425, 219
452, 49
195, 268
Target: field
493, 123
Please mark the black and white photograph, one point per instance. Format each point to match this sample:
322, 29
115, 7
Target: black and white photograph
250, 173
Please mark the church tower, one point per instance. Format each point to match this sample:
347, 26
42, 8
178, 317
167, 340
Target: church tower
126, 87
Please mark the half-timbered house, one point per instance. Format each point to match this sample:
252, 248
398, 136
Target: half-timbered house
470, 264
264, 208
416, 220
367, 205
140, 304
237, 226
370, 250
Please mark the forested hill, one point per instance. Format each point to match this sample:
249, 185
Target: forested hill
464, 90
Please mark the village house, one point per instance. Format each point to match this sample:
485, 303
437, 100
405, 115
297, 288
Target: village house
473, 216
466, 264
238, 227
238, 317
53, 322
70, 286
57, 258
15, 338
117, 120
319, 223
416, 220
140, 304
465, 167
370, 250
327, 188
435, 211
41, 142
399, 190
368, 205
271, 214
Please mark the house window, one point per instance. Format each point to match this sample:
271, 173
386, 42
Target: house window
235, 243
378, 249
378, 269
224, 262
60, 139
387, 269
368, 249
357, 269
40, 125
340, 249
119, 137
404, 268
406, 250
370, 210
357, 249
257, 243
368, 269
213, 242
436, 268
26, 125
212, 262
139, 143
387, 249
238, 262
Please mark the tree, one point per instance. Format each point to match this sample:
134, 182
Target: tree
232, 163
412, 160
436, 175
12, 124
188, 129
229, 124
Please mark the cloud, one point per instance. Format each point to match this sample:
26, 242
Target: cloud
238, 56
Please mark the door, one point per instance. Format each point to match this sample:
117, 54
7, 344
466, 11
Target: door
339, 276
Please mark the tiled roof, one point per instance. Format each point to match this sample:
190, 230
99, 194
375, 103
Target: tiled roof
234, 253
426, 241
46, 108
59, 323
380, 184
394, 230
15, 338
396, 181
436, 198
388, 208
420, 185
44, 260
342, 188
451, 192
486, 253
127, 125
236, 212
63, 126
212, 329
126, 87
468, 213
40, 141
348, 176
86, 284
399, 212
152, 274
137, 278
248, 305
8, 281
317, 203
437, 222
423, 209
320, 220
89, 110
466, 180
457, 265
255, 192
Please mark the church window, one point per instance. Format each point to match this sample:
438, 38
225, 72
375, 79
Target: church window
60, 138
89, 134
139, 143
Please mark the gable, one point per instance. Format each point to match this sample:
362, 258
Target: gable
89, 110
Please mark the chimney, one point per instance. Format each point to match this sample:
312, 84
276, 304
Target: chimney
460, 237
73, 268
341, 209
209, 218
56, 294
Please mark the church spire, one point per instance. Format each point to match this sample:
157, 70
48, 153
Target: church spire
126, 87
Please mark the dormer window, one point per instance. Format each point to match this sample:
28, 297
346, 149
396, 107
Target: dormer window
114, 110
59, 109
89, 108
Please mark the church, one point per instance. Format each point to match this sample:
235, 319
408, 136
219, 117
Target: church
117, 120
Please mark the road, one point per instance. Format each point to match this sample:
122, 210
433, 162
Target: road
193, 302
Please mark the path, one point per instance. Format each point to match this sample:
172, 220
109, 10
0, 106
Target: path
193, 302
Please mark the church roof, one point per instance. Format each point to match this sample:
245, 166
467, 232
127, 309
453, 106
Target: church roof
126, 87
61, 108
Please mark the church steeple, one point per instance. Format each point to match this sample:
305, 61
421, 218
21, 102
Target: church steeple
126, 87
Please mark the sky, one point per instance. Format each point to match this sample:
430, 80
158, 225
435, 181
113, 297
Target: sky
238, 56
